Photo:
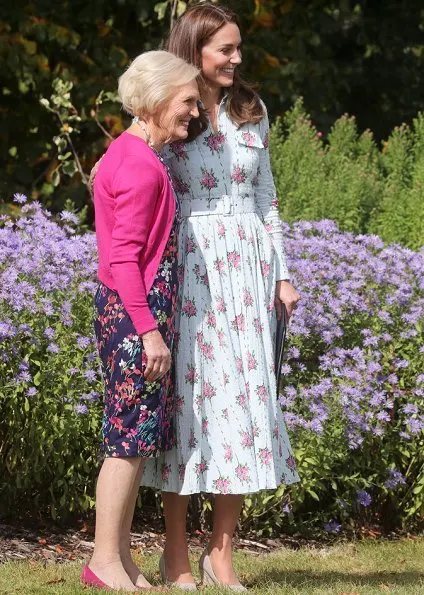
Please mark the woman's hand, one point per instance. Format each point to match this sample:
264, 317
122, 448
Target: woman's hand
158, 356
285, 294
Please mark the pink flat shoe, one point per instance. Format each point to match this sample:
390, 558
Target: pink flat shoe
89, 579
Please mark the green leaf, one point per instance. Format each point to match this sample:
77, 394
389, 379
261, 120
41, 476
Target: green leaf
69, 168
55, 177
160, 9
313, 494
181, 8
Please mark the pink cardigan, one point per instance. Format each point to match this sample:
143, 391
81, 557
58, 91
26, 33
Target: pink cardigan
134, 210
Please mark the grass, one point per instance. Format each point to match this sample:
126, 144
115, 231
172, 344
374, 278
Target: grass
344, 569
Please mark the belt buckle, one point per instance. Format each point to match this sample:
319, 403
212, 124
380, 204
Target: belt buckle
185, 208
227, 204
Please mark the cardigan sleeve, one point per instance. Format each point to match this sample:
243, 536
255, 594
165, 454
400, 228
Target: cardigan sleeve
136, 191
266, 199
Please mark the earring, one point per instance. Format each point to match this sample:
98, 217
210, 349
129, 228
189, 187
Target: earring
142, 124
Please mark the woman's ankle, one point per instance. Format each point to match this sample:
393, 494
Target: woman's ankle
103, 559
220, 549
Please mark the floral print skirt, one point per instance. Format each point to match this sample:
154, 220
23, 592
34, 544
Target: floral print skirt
230, 430
138, 415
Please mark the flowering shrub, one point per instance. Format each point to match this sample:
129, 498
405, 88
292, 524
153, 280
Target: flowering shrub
49, 376
353, 381
352, 386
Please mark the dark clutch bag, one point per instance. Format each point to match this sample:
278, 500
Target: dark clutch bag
280, 340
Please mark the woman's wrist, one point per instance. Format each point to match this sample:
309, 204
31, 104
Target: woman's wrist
150, 333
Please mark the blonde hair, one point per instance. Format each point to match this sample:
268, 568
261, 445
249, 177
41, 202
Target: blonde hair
151, 79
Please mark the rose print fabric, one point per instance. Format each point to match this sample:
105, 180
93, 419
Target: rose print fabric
137, 418
230, 433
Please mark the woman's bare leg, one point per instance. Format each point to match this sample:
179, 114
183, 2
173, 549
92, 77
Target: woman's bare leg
226, 514
114, 485
175, 553
131, 568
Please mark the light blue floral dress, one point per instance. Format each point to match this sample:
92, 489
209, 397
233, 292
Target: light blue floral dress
230, 432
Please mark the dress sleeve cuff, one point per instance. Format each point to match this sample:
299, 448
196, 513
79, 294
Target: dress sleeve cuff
281, 272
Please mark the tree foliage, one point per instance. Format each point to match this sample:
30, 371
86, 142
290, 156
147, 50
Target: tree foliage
363, 57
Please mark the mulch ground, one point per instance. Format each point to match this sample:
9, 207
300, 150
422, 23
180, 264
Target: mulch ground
52, 544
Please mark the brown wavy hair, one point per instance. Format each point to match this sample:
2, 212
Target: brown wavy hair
187, 38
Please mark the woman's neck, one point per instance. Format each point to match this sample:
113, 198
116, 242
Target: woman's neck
147, 132
211, 96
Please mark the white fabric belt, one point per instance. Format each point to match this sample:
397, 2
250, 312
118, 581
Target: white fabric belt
222, 205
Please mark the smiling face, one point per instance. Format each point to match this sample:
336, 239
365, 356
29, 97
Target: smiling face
221, 55
174, 117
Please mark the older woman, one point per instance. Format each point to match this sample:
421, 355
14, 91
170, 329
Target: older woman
136, 216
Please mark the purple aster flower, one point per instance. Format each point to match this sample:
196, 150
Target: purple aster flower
378, 431
355, 441
19, 198
294, 353
24, 376
415, 426
31, 391
332, 527
377, 398
363, 498
370, 341
83, 342
69, 217
401, 363
25, 328
285, 369
53, 348
90, 375
394, 480
7, 330
81, 409
383, 416
410, 409
49, 332
386, 337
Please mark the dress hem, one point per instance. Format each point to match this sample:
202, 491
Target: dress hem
205, 491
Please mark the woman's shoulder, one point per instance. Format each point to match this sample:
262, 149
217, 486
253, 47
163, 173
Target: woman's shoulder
128, 158
131, 145
132, 151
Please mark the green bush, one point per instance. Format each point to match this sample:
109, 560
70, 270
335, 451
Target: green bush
399, 216
347, 179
